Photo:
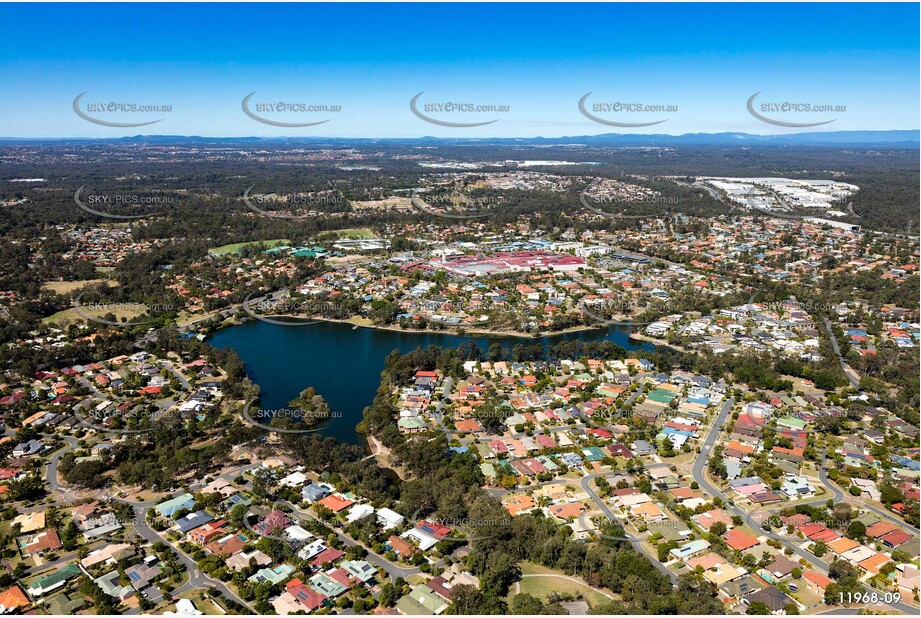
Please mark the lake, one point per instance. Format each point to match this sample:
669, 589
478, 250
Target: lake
344, 364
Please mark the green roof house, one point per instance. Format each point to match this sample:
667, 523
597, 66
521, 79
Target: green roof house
63, 605
411, 424
791, 422
326, 585
275, 575
110, 584
428, 599
593, 453
53, 581
421, 601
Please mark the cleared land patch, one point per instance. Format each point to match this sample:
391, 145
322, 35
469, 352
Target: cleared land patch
70, 316
541, 582
234, 247
352, 233
66, 287
390, 203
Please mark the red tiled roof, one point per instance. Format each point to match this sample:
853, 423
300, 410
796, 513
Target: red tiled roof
336, 503
13, 598
896, 538
880, 528
739, 540
328, 555
818, 579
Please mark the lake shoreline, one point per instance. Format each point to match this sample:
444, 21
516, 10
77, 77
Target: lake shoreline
457, 332
343, 363
658, 342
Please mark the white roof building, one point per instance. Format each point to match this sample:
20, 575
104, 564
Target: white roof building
423, 538
358, 511
184, 607
295, 479
314, 548
296, 533
389, 519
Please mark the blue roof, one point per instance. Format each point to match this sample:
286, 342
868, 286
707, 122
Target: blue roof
315, 489
911, 464
193, 520
173, 505
571, 459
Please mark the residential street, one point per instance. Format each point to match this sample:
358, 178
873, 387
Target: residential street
849, 373
699, 475
197, 579
377, 560
606, 510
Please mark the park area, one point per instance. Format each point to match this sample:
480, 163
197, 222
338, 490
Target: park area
542, 583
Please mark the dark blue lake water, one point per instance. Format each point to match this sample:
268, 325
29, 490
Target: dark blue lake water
344, 364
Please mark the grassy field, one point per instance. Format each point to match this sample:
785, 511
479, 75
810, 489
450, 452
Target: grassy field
66, 287
234, 247
551, 581
390, 203
352, 233
70, 316
347, 259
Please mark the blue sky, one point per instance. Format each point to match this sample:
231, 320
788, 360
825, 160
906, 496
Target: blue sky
538, 59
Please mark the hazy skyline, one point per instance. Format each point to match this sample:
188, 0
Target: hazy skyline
538, 60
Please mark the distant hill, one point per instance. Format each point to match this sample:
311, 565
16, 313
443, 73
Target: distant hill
898, 138
723, 139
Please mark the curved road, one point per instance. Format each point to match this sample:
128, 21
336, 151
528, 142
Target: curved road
197, 579
849, 373
840, 496
699, 476
586, 484
392, 569
54, 462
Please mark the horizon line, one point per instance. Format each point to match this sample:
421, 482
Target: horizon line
459, 137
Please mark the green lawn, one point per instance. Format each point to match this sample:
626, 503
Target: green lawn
70, 316
66, 287
553, 581
351, 233
234, 247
